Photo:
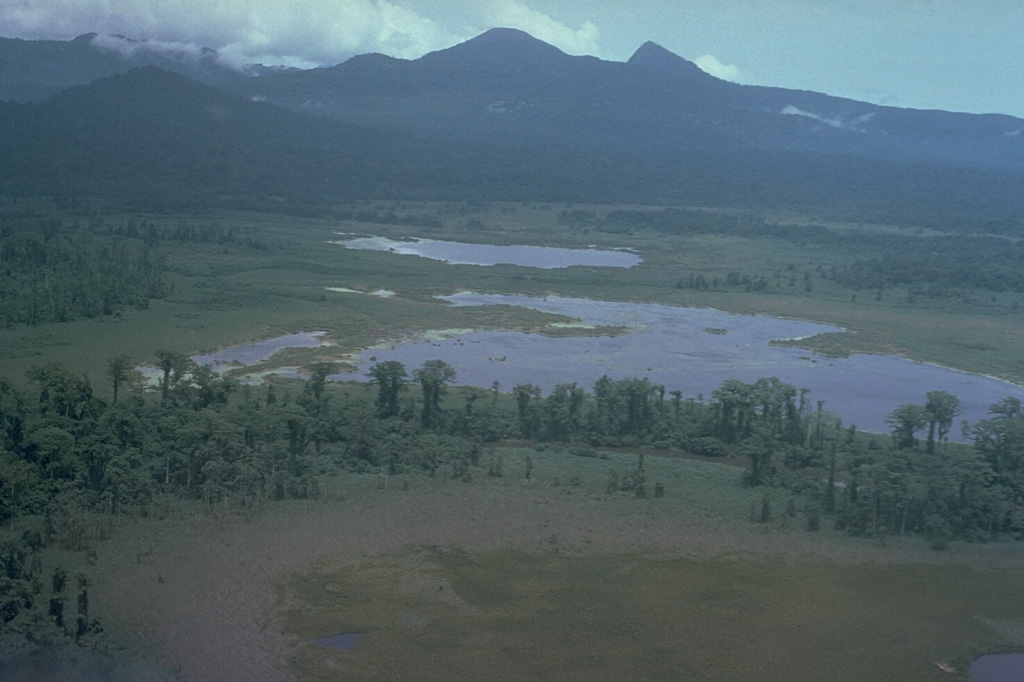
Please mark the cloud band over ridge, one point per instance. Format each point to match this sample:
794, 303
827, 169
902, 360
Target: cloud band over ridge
284, 32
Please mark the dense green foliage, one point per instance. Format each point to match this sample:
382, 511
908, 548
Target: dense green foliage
941, 265
198, 434
155, 141
70, 459
53, 272
932, 266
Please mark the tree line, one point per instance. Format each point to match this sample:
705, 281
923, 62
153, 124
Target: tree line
56, 272
932, 265
198, 434
70, 458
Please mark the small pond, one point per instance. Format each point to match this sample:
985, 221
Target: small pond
345, 642
258, 351
461, 253
692, 350
247, 354
998, 668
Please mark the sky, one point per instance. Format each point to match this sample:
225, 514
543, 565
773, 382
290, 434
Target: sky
957, 55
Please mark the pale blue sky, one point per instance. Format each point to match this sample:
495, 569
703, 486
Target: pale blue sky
960, 55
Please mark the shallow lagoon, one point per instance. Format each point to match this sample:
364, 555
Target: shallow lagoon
692, 350
462, 253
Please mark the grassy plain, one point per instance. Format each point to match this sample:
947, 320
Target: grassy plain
509, 579
231, 293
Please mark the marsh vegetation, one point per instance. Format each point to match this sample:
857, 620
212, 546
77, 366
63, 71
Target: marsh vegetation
623, 495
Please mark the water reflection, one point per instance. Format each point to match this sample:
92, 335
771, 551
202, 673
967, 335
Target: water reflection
461, 253
692, 350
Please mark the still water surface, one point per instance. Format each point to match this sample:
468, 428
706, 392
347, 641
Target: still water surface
461, 253
258, 351
345, 642
998, 668
692, 350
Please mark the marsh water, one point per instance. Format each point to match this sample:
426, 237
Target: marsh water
246, 354
998, 668
258, 351
344, 642
463, 253
692, 350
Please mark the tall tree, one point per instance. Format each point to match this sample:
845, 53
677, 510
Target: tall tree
1000, 441
733, 402
905, 421
562, 411
173, 365
432, 377
62, 392
119, 370
391, 379
942, 409
526, 395
318, 373
13, 412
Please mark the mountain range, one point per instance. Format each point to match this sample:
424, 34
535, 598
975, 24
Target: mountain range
501, 116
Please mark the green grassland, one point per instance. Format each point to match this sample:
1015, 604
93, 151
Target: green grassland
506, 578
446, 614
227, 293
706, 599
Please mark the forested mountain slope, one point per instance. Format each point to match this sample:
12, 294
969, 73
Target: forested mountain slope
507, 85
506, 117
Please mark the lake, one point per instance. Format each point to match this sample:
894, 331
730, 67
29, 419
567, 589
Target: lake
692, 350
462, 253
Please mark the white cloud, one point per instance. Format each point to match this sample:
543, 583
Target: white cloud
515, 14
835, 122
287, 32
710, 64
275, 31
127, 46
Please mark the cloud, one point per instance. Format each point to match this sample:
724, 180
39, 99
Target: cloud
128, 46
515, 14
274, 31
835, 122
710, 64
287, 32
